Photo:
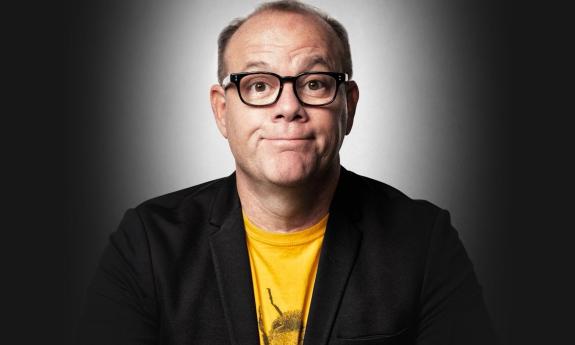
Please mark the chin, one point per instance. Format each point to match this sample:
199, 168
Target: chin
290, 173
288, 180
287, 177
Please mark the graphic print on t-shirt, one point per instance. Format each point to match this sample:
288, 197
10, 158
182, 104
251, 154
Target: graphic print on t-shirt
286, 329
284, 267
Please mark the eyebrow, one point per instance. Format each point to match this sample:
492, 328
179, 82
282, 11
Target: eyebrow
256, 64
318, 60
262, 65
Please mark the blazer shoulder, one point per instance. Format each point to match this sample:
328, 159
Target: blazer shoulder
192, 201
174, 199
383, 195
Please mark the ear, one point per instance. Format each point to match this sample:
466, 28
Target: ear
218, 101
352, 96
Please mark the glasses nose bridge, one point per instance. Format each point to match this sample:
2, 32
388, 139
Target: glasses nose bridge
288, 79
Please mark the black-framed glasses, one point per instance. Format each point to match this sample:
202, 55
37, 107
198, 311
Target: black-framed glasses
260, 89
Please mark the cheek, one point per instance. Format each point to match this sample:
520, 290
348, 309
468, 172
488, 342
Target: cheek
338, 112
332, 132
338, 123
242, 130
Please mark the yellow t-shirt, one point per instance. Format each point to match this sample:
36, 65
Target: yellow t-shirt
283, 267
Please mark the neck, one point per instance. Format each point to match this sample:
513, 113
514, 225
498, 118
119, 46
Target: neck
277, 208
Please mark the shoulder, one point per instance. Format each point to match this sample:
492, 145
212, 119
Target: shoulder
397, 226
172, 225
195, 201
195, 193
377, 196
180, 216
386, 216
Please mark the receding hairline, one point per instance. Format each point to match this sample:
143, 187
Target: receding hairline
331, 26
321, 25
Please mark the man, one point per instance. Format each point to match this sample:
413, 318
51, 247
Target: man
291, 248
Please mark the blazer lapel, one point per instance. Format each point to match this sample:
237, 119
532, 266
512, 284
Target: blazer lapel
232, 267
339, 250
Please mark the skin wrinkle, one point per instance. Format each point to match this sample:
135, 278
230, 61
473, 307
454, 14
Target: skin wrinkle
321, 59
254, 66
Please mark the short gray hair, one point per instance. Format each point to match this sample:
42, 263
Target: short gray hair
292, 6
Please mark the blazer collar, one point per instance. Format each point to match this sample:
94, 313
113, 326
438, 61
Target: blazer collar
232, 266
226, 201
231, 262
339, 251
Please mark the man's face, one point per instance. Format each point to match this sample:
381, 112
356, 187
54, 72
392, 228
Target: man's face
285, 143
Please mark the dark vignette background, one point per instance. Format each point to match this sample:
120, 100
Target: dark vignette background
58, 218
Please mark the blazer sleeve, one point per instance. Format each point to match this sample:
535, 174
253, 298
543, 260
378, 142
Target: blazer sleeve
120, 305
452, 307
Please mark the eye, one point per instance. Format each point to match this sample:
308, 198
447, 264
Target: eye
259, 86
315, 85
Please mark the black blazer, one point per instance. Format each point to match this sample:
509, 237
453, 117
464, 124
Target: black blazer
392, 271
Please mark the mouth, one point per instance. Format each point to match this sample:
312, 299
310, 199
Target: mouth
287, 139
292, 137
289, 143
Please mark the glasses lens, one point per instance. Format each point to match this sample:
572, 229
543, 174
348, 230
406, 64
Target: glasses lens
316, 89
259, 89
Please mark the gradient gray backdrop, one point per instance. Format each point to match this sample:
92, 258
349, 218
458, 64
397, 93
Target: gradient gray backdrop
431, 79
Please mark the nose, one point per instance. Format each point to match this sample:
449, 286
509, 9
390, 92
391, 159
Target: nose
288, 106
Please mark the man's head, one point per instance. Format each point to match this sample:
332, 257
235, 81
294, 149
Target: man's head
286, 142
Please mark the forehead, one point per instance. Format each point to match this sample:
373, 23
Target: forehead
276, 38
